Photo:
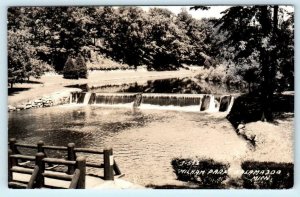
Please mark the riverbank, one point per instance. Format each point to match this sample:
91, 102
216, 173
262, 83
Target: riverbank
272, 151
273, 141
52, 83
185, 135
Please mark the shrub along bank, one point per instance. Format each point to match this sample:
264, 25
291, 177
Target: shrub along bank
75, 69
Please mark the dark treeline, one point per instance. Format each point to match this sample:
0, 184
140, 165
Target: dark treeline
157, 38
263, 38
254, 43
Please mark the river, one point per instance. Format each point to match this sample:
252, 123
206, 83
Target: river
144, 141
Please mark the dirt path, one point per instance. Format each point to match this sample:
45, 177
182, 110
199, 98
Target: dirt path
50, 84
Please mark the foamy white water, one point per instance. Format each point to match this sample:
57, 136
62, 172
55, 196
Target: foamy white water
87, 98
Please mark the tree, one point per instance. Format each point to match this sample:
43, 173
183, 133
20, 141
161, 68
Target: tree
23, 61
18, 58
71, 71
167, 44
123, 32
199, 39
81, 65
254, 29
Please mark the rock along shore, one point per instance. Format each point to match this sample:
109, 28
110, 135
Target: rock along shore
56, 98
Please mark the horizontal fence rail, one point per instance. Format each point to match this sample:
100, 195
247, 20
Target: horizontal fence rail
38, 174
41, 159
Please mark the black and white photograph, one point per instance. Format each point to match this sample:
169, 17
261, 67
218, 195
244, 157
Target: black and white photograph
150, 97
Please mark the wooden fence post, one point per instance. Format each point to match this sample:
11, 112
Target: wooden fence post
40, 181
81, 165
12, 145
108, 164
71, 157
40, 147
13, 148
10, 174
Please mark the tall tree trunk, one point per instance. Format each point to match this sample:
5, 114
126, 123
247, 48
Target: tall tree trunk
265, 63
268, 61
273, 60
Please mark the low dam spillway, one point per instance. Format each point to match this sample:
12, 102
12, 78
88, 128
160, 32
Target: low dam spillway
185, 102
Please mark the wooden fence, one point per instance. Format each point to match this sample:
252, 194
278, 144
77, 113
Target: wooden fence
76, 171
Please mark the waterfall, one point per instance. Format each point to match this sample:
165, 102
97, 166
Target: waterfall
172, 99
114, 98
80, 96
138, 100
213, 104
205, 103
87, 98
71, 96
230, 104
181, 102
74, 97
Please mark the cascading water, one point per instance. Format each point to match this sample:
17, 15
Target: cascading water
78, 97
87, 98
172, 99
213, 104
185, 102
230, 104
111, 99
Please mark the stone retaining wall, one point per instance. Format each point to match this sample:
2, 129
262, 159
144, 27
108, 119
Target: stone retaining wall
56, 98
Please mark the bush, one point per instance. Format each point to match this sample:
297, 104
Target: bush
248, 107
99, 62
75, 69
81, 65
70, 69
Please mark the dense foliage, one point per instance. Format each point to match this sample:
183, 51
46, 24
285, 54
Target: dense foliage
257, 35
259, 42
158, 38
249, 43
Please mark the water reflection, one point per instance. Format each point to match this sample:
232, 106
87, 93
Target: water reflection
144, 141
173, 85
60, 125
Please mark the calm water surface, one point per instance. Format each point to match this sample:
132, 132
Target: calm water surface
144, 141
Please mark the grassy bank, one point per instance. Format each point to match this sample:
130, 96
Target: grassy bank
51, 83
99, 62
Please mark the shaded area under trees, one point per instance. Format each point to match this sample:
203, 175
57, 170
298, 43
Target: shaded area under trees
252, 42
